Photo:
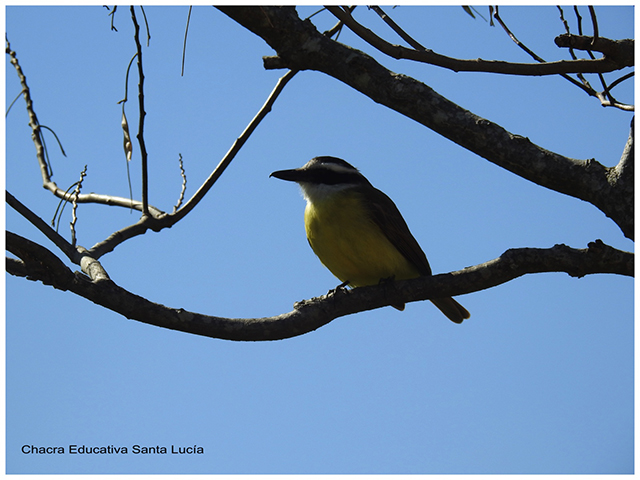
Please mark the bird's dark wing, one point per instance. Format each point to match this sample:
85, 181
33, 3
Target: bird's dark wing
387, 216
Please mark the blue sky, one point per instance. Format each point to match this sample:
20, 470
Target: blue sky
539, 380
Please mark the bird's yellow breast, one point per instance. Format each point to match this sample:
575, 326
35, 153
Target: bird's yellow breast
350, 244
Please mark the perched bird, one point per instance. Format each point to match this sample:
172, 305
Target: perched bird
357, 231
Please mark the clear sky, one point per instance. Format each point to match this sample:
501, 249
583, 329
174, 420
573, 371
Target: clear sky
539, 380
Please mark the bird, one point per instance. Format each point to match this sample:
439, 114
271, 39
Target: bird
357, 231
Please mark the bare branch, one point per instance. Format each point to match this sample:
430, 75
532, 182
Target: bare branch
74, 209
142, 226
622, 54
33, 119
45, 170
41, 225
619, 49
594, 21
38, 263
159, 222
78, 255
311, 314
183, 174
142, 114
478, 65
233, 151
184, 44
396, 28
584, 85
112, 14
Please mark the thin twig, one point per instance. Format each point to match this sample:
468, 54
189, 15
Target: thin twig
537, 58
11, 104
183, 174
146, 24
337, 28
56, 137
74, 217
235, 148
315, 13
112, 14
140, 135
128, 146
57, 215
594, 22
396, 28
184, 44
620, 80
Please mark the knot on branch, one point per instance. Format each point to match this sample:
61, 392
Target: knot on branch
603, 254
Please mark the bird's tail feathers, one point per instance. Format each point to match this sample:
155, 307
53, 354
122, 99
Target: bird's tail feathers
452, 309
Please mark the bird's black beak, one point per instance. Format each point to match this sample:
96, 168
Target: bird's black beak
295, 175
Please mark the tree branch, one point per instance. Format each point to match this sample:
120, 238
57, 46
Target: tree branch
47, 182
584, 85
142, 115
300, 46
38, 263
154, 219
78, 255
602, 65
311, 314
168, 220
621, 51
235, 148
41, 225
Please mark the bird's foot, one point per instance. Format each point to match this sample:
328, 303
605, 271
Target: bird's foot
340, 288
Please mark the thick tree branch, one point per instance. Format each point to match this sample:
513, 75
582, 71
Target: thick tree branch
300, 46
41, 264
38, 263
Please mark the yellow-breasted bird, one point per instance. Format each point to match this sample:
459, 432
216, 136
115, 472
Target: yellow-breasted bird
357, 231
